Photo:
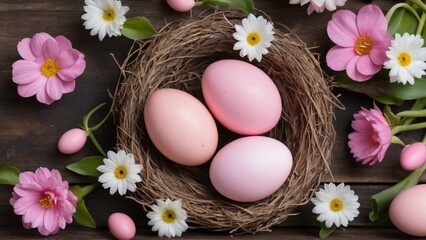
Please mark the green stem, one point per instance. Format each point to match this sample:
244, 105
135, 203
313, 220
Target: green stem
418, 105
90, 130
424, 139
421, 24
398, 141
403, 128
89, 115
96, 143
419, 3
199, 3
392, 10
412, 113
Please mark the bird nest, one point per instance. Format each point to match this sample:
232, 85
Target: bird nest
176, 58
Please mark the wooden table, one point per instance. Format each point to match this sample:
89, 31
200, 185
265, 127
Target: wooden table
29, 131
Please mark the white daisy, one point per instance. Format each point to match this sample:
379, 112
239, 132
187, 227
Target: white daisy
168, 218
254, 37
320, 5
335, 205
407, 58
119, 172
104, 17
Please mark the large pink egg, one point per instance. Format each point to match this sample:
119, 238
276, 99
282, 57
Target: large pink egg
241, 96
181, 5
72, 141
413, 156
408, 210
250, 168
180, 126
121, 226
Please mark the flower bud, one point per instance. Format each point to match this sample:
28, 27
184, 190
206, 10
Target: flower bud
72, 141
413, 156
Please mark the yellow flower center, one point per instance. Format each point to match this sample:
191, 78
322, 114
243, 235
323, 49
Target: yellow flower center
109, 14
47, 201
363, 45
168, 216
336, 205
253, 38
404, 59
49, 68
120, 172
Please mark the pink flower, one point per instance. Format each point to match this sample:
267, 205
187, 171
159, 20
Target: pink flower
48, 69
372, 136
362, 42
43, 200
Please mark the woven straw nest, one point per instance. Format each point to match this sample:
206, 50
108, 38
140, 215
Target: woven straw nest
176, 58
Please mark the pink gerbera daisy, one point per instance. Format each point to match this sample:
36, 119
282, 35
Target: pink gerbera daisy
43, 200
48, 69
372, 136
362, 41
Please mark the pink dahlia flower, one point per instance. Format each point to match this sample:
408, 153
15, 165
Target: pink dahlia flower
362, 42
43, 200
48, 69
372, 136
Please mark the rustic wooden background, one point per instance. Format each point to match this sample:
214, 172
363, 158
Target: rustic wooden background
29, 131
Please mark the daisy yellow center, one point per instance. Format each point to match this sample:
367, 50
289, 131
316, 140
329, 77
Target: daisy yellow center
120, 172
336, 205
49, 68
47, 201
168, 216
363, 45
404, 59
253, 38
109, 14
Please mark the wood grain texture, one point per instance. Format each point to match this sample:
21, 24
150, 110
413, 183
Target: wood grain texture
29, 130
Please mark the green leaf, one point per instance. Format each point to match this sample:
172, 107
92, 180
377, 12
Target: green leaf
380, 88
391, 118
325, 232
246, 5
87, 166
9, 175
81, 192
82, 215
381, 201
138, 28
403, 21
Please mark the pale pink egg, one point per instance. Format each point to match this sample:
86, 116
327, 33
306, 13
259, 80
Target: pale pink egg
121, 226
413, 156
181, 5
180, 127
241, 96
72, 141
250, 168
408, 210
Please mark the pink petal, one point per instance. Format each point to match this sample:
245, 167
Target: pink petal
54, 88
24, 49
63, 43
24, 71
50, 220
50, 49
67, 58
43, 97
342, 28
353, 72
68, 86
366, 67
37, 43
30, 89
370, 18
338, 57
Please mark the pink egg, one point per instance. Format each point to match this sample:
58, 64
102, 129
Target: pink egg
241, 97
408, 210
180, 127
413, 156
121, 226
72, 141
181, 5
250, 168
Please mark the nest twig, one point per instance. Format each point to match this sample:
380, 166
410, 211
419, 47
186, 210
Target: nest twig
176, 58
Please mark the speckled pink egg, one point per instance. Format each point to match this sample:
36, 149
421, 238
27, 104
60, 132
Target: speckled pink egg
121, 226
250, 168
180, 127
241, 97
408, 210
181, 5
413, 156
72, 141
